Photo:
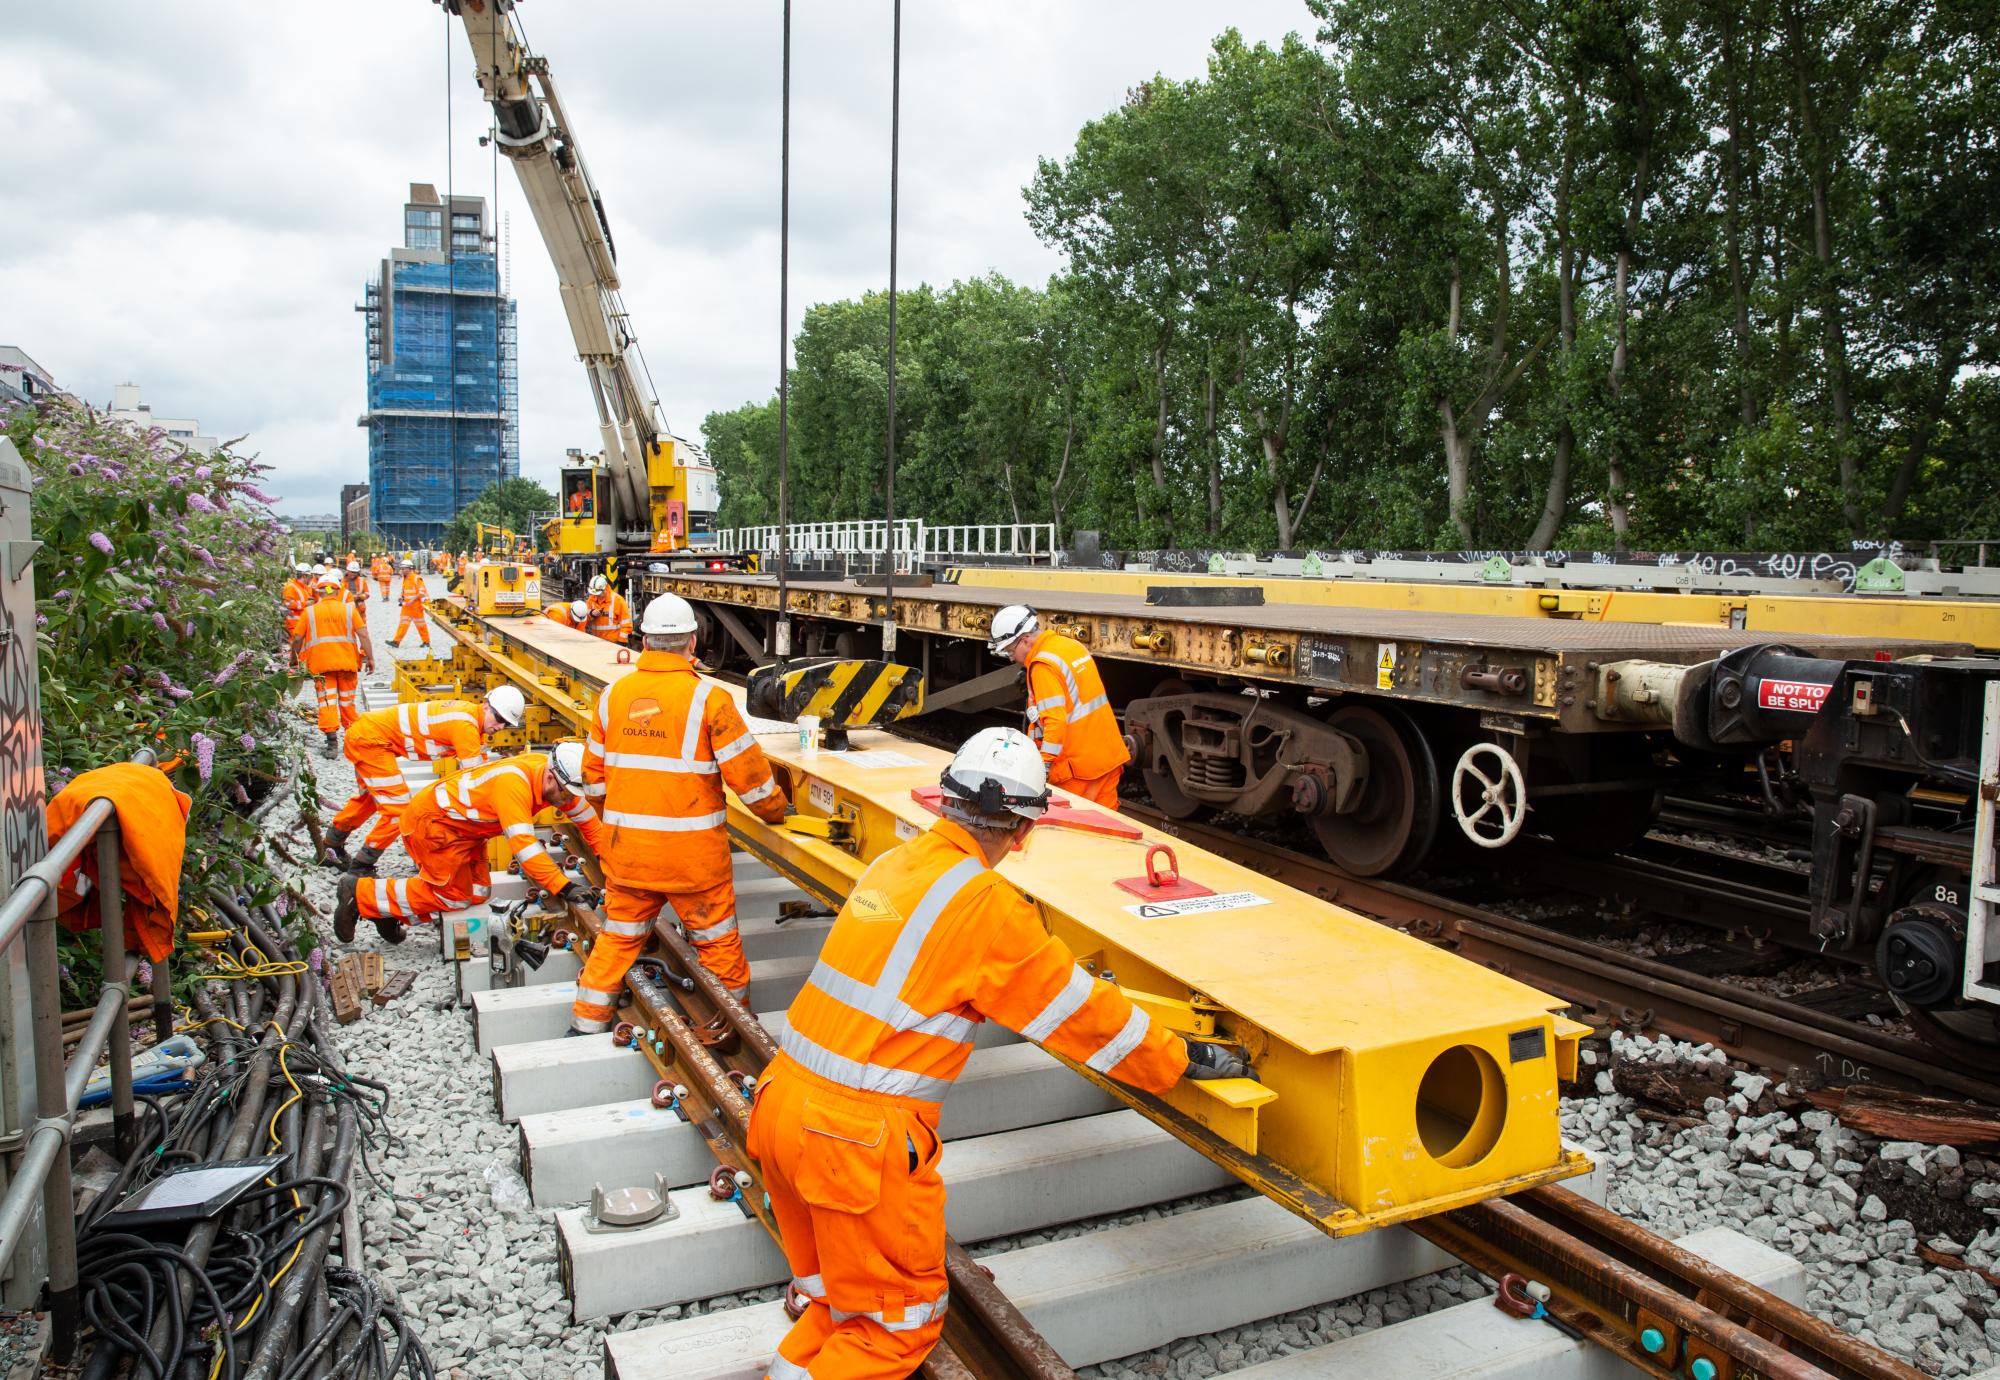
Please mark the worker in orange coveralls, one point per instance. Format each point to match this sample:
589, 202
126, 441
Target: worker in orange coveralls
610, 614
383, 571
446, 829
845, 1128
331, 638
152, 829
1068, 711
662, 745
410, 614
574, 614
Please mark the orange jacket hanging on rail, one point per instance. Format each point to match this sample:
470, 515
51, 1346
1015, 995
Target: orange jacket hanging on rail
152, 836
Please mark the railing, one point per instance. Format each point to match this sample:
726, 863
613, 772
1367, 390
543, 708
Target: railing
30, 911
916, 541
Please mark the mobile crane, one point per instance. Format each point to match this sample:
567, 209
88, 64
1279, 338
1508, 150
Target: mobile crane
648, 492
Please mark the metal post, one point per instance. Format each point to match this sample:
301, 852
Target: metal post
163, 1000
52, 1105
111, 913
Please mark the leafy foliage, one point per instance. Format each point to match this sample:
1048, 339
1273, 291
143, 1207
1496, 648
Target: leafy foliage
517, 504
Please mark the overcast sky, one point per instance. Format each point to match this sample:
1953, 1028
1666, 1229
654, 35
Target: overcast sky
195, 192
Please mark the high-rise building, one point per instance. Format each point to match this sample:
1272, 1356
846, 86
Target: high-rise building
444, 409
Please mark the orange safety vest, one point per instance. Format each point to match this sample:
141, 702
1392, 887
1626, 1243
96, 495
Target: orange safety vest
298, 597
610, 617
331, 629
662, 745
559, 613
152, 835
413, 594
426, 731
503, 799
1069, 714
930, 943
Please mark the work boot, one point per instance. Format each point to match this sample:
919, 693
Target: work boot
362, 864
572, 1031
331, 747
391, 929
335, 852
347, 913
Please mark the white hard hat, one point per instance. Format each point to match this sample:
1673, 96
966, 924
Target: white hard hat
667, 616
578, 609
510, 704
407, 565
998, 770
301, 568
566, 761
329, 581
598, 584
1010, 624
354, 565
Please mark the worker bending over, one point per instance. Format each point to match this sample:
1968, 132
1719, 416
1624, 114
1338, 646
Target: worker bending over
1069, 714
845, 1128
446, 829
663, 745
428, 731
574, 614
331, 639
610, 617
410, 613
152, 836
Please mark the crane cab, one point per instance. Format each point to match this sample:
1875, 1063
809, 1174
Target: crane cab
583, 512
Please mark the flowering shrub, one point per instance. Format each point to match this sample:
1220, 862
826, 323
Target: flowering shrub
159, 624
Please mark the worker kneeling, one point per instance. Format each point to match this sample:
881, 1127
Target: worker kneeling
663, 745
446, 829
845, 1128
427, 731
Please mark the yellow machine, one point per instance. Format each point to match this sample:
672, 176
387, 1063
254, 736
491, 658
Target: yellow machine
506, 585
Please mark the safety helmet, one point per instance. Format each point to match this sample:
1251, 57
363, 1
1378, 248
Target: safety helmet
301, 568
667, 616
598, 584
407, 564
329, 581
354, 565
1009, 625
507, 702
998, 770
566, 761
578, 609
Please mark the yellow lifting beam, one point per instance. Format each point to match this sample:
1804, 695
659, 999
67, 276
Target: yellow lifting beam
1395, 1080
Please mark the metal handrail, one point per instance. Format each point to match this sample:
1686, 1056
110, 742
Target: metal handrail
30, 911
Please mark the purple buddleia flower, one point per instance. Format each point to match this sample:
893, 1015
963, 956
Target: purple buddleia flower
248, 742
101, 542
201, 472
145, 975
204, 755
228, 673
200, 503
160, 621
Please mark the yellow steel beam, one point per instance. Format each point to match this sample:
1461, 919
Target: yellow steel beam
1396, 1079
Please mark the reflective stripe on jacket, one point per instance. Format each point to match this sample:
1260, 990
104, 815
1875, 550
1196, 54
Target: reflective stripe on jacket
663, 744
426, 731
610, 617
413, 594
1069, 713
504, 799
332, 643
298, 598
931, 942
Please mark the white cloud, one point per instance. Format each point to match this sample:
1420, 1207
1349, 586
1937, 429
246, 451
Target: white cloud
196, 192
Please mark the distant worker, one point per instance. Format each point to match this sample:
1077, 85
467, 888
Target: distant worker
1068, 712
298, 591
412, 595
357, 584
446, 829
663, 744
579, 503
384, 572
610, 614
464, 565
331, 639
152, 829
574, 614
426, 731
930, 942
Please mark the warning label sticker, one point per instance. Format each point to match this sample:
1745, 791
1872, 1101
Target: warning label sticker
1195, 905
1385, 666
1803, 696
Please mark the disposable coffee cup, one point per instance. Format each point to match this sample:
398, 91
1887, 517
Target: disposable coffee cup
809, 734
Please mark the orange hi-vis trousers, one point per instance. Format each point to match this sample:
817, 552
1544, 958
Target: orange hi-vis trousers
407, 620
859, 1200
337, 704
1098, 790
708, 916
451, 866
378, 787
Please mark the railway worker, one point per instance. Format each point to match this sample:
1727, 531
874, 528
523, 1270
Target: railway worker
1068, 712
298, 593
574, 614
610, 614
152, 827
427, 731
383, 572
663, 745
411, 595
357, 584
331, 639
845, 1127
446, 829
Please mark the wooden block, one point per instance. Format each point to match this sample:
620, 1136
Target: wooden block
371, 973
398, 983
346, 994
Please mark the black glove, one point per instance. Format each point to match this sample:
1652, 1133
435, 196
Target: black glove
576, 894
1206, 1060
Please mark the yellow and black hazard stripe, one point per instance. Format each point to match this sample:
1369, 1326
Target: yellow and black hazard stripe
846, 694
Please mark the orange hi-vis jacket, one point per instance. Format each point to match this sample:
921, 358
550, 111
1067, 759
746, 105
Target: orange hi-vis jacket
559, 613
610, 617
931, 942
298, 596
1069, 714
413, 594
427, 731
661, 748
504, 799
331, 636
152, 836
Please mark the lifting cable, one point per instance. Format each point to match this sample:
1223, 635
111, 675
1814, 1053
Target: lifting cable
781, 631
889, 479
451, 279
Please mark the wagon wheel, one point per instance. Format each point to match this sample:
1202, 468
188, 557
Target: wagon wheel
1161, 785
1395, 821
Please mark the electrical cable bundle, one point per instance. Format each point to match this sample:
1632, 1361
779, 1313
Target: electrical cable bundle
248, 1292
